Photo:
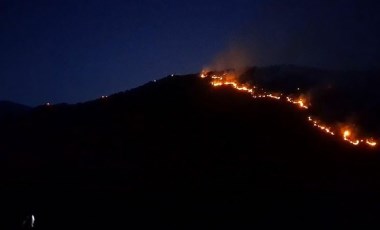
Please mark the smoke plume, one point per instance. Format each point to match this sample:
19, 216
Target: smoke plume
235, 57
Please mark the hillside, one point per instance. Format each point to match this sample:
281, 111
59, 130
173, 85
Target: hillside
336, 95
177, 152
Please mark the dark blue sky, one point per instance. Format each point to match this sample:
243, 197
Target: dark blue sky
77, 50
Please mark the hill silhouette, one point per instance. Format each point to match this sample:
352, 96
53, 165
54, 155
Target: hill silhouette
10, 109
178, 153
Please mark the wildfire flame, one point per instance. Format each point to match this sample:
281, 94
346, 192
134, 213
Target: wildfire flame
371, 142
321, 126
229, 79
347, 137
300, 102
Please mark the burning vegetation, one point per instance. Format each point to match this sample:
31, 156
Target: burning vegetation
346, 132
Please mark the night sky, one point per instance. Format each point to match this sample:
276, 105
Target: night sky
76, 50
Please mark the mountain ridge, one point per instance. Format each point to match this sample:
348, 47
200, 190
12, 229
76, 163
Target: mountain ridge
178, 144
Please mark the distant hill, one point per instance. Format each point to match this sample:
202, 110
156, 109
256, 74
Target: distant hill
10, 109
179, 153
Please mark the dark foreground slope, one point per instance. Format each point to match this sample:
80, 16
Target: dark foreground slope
181, 154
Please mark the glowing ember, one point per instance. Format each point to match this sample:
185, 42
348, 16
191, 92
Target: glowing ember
274, 97
371, 142
300, 102
229, 79
321, 126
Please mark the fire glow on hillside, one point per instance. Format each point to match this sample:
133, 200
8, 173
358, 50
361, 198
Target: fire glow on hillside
228, 78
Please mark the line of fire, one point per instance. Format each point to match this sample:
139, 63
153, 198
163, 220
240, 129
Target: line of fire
347, 134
